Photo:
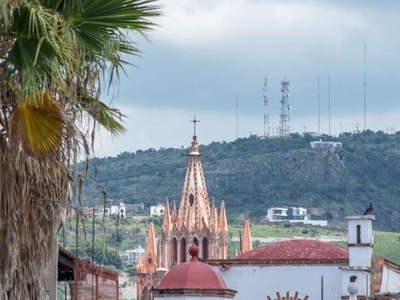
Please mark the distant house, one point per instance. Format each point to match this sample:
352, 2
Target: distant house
89, 211
134, 207
132, 256
118, 209
325, 145
101, 210
158, 210
292, 215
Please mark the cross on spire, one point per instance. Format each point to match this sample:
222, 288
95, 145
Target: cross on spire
194, 124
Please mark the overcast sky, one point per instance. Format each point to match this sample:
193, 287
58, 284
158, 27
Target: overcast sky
207, 52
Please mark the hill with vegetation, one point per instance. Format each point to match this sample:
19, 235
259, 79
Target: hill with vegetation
253, 174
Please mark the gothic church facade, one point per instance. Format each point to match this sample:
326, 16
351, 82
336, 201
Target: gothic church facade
196, 222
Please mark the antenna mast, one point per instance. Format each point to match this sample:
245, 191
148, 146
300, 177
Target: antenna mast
266, 116
285, 109
329, 103
319, 112
365, 87
237, 117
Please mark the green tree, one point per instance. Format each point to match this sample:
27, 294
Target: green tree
56, 57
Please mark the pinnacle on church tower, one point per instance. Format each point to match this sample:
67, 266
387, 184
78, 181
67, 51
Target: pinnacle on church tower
213, 216
150, 260
246, 242
167, 217
223, 223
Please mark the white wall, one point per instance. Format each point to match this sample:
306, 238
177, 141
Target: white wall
365, 227
258, 282
156, 210
363, 281
360, 256
390, 280
312, 222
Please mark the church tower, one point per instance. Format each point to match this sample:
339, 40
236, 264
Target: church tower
197, 221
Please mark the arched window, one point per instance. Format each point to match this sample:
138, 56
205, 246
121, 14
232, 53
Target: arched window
195, 241
183, 250
191, 200
174, 253
145, 294
358, 234
205, 248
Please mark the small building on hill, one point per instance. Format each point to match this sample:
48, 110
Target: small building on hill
292, 215
325, 145
157, 210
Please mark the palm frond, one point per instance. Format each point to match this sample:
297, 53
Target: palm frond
38, 125
38, 52
109, 118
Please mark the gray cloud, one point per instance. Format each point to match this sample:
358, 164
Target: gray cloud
207, 52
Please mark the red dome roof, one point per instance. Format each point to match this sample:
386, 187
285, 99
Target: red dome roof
296, 250
192, 275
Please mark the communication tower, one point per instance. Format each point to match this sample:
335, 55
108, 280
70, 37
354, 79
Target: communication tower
329, 103
319, 112
266, 115
284, 129
237, 117
365, 87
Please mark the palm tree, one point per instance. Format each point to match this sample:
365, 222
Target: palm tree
56, 56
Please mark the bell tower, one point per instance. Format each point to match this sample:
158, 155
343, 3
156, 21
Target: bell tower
360, 243
197, 221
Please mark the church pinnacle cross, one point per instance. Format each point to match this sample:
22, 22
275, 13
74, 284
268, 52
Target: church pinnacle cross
194, 124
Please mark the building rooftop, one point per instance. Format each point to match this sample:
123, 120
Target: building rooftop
296, 250
192, 275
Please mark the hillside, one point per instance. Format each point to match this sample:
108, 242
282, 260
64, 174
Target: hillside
253, 174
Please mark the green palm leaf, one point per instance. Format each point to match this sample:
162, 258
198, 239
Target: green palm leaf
109, 118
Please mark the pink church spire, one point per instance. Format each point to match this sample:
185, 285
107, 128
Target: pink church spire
194, 203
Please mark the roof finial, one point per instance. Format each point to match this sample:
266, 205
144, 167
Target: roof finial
194, 252
194, 125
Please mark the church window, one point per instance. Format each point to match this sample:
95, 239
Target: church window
145, 294
150, 260
195, 241
358, 234
205, 248
191, 199
174, 251
183, 250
